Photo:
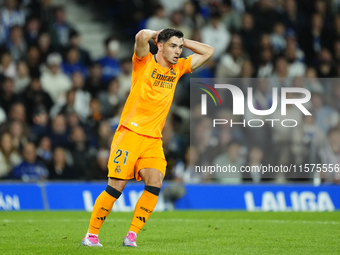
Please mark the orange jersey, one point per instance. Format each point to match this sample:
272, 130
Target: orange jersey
151, 95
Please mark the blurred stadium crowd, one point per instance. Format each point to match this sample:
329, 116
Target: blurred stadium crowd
59, 107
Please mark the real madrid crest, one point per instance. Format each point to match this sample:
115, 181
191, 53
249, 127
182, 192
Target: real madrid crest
117, 170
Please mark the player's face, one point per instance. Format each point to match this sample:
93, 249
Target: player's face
172, 49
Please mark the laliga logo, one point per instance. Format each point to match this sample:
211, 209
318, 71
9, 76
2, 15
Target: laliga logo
238, 103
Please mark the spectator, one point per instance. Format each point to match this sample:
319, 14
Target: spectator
82, 153
314, 39
45, 11
124, 79
72, 120
159, 20
173, 144
72, 63
114, 121
32, 30
265, 42
109, 63
170, 7
255, 160
45, 46
277, 38
280, 74
264, 15
68, 106
105, 135
83, 98
224, 134
295, 68
58, 132
19, 133
9, 157
247, 72
109, 99
17, 112
291, 41
293, 18
334, 32
216, 35
53, 81
325, 117
7, 94
30, 169
33, 60
249, 35
100, 171
325, 67
177, 23
231, 157
261, 100
34, 97
329, 155
39, 125
307, 139
312, 83
266, 67
191, 18
23, 79
84, 56
281, 136
184, 170
60, 29
230, 18
16, 43
58, 168
11, 14
7, 65
231, 63
320, 7
95, 117
94, 82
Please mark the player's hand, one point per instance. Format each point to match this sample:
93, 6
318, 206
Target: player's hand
155, 39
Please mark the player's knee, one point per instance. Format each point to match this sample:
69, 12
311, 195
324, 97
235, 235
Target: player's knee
152, 189
117, 184
154, 183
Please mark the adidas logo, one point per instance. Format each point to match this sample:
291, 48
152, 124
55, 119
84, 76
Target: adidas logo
101, 218
141, 218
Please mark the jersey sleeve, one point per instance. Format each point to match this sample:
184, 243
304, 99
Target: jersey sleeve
185, 65
138, 62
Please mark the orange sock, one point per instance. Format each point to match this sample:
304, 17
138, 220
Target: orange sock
102, 208
144, 207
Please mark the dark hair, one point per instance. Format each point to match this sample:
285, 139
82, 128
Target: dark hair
167, 33
73, 33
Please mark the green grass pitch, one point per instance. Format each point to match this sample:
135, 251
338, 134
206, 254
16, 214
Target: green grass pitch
179, 232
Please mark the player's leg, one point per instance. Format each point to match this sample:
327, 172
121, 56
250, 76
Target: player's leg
146, 204
102, 208
121, 168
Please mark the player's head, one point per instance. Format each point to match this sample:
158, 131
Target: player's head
170, 44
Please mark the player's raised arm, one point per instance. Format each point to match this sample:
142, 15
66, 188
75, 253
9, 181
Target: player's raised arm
202, 52
142, 38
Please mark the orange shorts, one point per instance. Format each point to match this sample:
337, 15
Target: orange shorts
131, 152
